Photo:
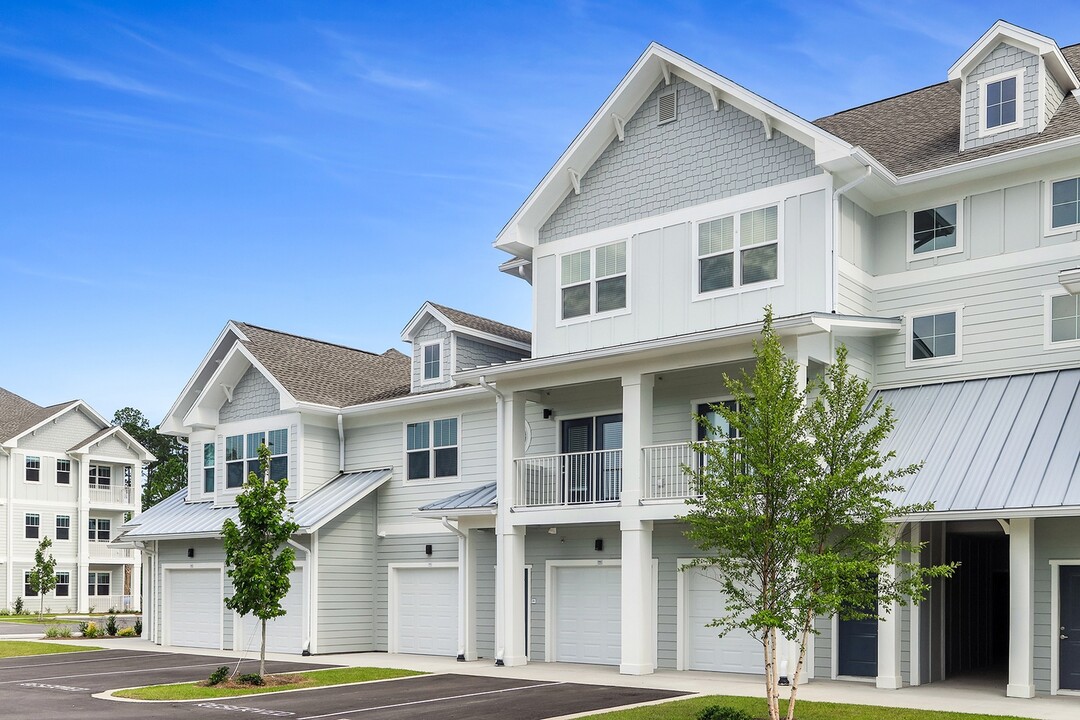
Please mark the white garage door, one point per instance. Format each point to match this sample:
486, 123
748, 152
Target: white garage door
284, 634
588, 615
735, 652
426, 610
195, 608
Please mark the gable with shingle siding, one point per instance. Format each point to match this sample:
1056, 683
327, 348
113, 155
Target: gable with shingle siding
114, 447
703, 155
253, 397
1004, 58
62, 433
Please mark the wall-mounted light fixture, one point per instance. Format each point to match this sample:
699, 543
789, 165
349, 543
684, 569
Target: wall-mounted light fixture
552, 531
599, 544
549, 414
191, 552
427, 549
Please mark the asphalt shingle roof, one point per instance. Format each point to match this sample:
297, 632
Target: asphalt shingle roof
920, 130
325, 373
18, 414
485, 325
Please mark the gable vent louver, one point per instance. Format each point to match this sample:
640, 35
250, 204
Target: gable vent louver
666, 107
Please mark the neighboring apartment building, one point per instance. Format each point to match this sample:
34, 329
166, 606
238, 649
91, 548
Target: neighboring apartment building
934, 233
69, 475
364, 439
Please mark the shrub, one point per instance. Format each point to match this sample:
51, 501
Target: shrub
112, 610
723, 712
251, 679
18, 606
4, 611
110, 626
219, 675
127, 632
58, 631
138, 626
90, 630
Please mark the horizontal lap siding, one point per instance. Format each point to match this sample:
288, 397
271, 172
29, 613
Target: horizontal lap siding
1055, 539
485, 592
346, 592
321, 454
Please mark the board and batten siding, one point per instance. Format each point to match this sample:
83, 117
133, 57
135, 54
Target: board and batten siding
662, 271
346, 581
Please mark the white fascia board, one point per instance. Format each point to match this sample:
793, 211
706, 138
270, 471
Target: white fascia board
429, 310
994, 514
197, 414
848, 326
426, 310
13, 441
1000, 31
171, 424
455, 513
128, 440
440, 396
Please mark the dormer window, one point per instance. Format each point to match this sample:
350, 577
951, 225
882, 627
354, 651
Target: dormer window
432, 360
1002, 106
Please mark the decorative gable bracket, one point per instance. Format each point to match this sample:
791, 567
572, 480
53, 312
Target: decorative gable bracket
620, 126
575, 179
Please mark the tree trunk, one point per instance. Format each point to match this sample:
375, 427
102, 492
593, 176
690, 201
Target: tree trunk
262, 651
770, 675
799, 666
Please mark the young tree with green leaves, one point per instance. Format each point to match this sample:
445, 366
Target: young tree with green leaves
795, 513
43, 574
257, 555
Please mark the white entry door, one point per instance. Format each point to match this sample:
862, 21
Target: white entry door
588, 618
194, 608
426, 610
735, 652
284, 634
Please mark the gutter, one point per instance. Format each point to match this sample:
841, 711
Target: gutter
834, 270
404, 401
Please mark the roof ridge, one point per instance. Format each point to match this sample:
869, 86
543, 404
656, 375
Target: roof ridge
309, 339
480, 317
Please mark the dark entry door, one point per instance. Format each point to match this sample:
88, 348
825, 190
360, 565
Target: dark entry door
592, 478
577, 437
1069, 636
857, 645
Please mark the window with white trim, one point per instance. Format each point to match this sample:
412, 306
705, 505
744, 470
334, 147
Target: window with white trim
1064, 318
242, 456
593, 281
32, 526
33, 468
63, 584
1065, 203
99, 529
63, 527
934, 230
431, 449
432, 357
101, 477
98, 583
737, 250
63, 471
208, 452
1000, 103
28, 588
933, 336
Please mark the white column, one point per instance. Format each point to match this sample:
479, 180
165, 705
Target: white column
136, 582
510, 540
890, 640
1021, 610
915, 625
637, 406
467, 596
638, 611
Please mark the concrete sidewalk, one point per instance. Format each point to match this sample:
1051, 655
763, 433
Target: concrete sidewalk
958, 696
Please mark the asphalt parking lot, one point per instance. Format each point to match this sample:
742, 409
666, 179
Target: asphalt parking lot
47, 686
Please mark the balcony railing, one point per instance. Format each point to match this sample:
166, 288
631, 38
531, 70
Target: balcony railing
112, 494
569, 478
116, 603
102, 551
663, 476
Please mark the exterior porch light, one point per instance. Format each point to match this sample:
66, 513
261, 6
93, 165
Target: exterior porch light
1070, 280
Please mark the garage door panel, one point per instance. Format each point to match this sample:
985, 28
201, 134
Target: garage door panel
427, 611
195, 608
737, 651
588, 608
283, 634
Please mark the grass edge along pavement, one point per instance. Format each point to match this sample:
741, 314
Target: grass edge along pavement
688, 709
28, 648
315, 679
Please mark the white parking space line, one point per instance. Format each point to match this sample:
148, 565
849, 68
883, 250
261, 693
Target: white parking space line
116, 672
74, 662
430, 700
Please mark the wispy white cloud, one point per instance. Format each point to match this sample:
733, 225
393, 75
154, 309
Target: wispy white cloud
266, 69
398, 82
914, 18
76, 70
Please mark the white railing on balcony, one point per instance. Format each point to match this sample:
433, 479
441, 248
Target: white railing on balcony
116, 603
663, 476
112, 494
102, 551
569, 478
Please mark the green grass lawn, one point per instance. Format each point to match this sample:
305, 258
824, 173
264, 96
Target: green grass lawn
26, 619
20, 648
316, 678
689, 709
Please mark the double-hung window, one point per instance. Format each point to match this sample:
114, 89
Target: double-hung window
1064, 319
242, 456
98, 583
934, 231
431, 449
33, 468
63, 527
208, 467
934, 337
63, 584
593, 282
28, 588
100, 476
432, 357
738, 250
99, 530
1065, 203
32, 526
63, 471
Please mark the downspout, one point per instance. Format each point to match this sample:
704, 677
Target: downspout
306, 640
463, 587
836, 232
341, 443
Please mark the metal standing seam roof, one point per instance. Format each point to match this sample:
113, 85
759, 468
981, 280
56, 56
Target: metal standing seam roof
174, 518
475, 498
1006, 443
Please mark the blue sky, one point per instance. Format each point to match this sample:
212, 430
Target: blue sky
324, 168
